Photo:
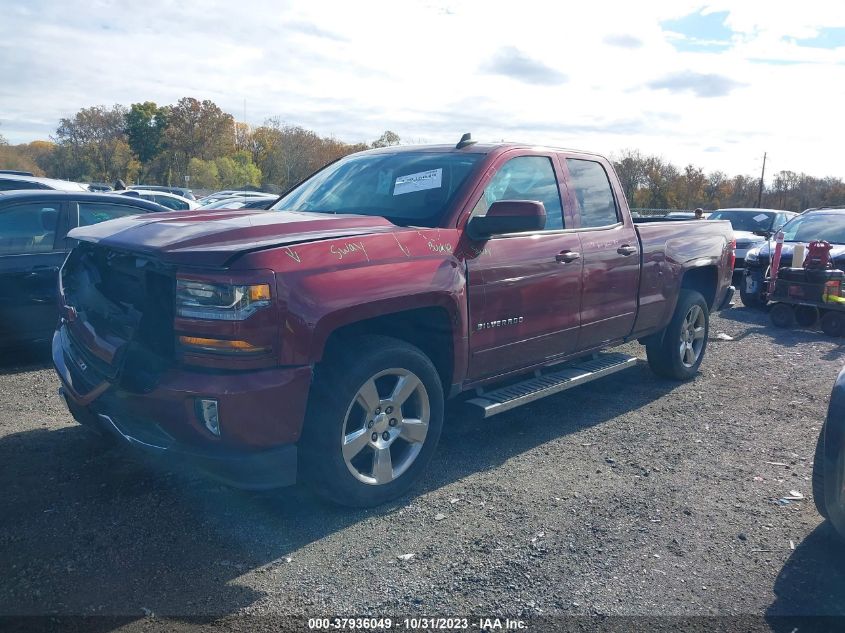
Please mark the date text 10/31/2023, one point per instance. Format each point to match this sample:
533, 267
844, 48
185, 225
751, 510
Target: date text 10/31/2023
416, 624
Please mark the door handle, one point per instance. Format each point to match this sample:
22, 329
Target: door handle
564, 257
626, 249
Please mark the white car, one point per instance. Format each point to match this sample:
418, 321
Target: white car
15, 182
169, 200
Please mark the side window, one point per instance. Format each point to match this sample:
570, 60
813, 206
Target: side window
28, 228
96, 212
170, 203
525, 178
592, 189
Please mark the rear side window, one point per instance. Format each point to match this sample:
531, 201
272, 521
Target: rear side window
96, 212
525, 178
171, 203
13, 185
592, 189
28, 228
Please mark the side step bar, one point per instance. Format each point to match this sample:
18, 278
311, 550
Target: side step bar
551, 382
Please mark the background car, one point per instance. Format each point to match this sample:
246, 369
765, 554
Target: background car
14, 182
829, 461
251, 202
820, 224
169, 200
179, 191
16, 172
229, 193
33, 245
752, 227
99, 186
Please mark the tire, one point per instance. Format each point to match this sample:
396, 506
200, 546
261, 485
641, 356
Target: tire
679, 351
782, 315
806, 316
750, 300
833, 323
818, 475
356, 395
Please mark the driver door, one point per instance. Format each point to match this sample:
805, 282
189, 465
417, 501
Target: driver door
525, 288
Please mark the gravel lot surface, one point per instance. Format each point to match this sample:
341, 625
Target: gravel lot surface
633, 495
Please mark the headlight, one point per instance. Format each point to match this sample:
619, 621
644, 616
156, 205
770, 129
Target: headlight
752, 256
222, 302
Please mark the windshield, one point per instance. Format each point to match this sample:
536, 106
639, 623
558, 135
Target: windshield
745, 220
822, 226
405, 188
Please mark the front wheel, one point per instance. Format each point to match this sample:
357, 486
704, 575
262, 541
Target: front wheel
374, 419
679, 352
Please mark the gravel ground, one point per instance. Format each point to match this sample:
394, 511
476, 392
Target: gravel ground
632, 495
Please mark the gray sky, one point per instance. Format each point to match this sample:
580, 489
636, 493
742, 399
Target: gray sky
710, 83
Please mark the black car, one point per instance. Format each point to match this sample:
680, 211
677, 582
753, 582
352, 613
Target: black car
818, 224
829, 463
33, 245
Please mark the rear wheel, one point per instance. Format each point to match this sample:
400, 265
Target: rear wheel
806, 316
782, 315
679, 352
833, 324
373, 423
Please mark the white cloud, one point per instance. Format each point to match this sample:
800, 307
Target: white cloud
589, 75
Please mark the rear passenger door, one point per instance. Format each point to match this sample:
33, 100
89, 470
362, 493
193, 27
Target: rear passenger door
610, 253
524, 288
31, 252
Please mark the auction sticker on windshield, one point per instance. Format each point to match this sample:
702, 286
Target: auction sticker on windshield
761, 217
420, 181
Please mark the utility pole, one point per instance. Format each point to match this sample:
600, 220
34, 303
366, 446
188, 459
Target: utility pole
762, 175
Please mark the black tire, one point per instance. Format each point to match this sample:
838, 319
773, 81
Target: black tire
751, 300
806, 316
818, 475
664, 351
833, 323
334, 397
782, 315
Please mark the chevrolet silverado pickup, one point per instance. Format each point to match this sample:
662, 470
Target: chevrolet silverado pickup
319, 340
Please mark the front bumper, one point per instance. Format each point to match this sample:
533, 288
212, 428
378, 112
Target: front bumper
261, 415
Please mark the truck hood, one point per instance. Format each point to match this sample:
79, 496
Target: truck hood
214, 238
837, 253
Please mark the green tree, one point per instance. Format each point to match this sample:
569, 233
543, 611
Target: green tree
238, 171
203, 174
145, 126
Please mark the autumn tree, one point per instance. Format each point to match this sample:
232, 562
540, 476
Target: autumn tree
387, 139
94, 144
198, 129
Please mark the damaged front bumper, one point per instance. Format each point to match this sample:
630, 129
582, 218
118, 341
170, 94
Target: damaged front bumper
261, 416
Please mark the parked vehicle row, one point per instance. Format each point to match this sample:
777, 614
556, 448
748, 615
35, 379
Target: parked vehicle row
34, 242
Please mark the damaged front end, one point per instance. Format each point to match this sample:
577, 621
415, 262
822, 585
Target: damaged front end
183, 362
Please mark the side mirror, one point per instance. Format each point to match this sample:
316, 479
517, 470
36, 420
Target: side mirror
508, 216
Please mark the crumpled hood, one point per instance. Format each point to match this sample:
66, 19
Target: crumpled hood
214, 238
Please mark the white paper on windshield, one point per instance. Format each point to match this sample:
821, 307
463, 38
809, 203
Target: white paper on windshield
761, 217
420, 181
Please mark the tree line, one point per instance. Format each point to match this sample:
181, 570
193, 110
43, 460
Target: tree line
190, 142
650, 182
197, 143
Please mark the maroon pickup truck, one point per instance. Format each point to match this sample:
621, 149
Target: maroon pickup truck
320, 339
